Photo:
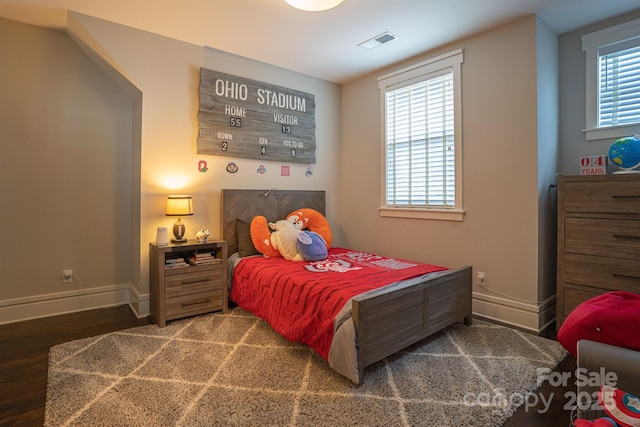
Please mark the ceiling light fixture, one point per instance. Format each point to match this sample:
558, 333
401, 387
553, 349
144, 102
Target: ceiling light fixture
314, 5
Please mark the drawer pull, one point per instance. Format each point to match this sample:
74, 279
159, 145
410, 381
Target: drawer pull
621, 236
627, 197
191, 282
624, 276
204, 301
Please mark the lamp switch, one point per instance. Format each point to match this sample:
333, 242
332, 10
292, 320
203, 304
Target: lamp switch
67, 276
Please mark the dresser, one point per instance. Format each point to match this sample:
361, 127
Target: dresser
598, 238
187, 279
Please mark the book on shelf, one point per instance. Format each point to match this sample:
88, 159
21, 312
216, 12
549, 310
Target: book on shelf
195, 260
172, 265
208, 254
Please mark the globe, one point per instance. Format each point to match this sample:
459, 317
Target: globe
625, 153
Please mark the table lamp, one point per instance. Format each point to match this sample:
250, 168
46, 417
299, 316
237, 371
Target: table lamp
179, 205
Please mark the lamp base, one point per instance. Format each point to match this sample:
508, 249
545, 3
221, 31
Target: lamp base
178, 232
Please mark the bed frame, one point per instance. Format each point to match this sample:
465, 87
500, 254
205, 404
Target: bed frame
387, 322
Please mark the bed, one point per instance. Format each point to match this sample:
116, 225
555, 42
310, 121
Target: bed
372, 325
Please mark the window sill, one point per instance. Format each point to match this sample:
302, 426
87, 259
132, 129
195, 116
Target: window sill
416, 213
611, 132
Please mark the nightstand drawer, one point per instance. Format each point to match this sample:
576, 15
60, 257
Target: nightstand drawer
189, 283
610, 274
602, 237
602, 196
194, 303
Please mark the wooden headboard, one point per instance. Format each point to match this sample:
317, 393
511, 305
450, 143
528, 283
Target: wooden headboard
272, 204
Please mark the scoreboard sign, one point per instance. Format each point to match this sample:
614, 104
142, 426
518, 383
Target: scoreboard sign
240, 117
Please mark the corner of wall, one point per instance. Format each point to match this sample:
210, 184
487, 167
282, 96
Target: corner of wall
88, 44
139, 303
78, 32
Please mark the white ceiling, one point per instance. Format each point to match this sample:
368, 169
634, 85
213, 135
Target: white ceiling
320, 44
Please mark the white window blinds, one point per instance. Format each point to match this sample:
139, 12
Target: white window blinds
420, 144
619, 83
612, 81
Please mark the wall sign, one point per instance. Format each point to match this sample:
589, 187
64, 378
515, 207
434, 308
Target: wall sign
240, 117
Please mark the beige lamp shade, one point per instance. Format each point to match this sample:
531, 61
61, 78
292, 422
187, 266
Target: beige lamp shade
179, 205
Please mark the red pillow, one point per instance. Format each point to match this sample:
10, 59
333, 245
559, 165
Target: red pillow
611, 318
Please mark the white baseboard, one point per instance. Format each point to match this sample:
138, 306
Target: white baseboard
19, 309
523, 315
531, 317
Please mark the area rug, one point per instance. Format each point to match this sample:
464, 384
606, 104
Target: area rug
233, 369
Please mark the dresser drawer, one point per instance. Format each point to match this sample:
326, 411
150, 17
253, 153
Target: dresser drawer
615, 194
184, 305
610, 274
602, 237
193, 282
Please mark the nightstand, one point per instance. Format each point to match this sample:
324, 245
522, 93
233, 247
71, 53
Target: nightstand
187, 279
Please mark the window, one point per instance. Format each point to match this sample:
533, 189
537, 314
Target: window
422, 140
613, 81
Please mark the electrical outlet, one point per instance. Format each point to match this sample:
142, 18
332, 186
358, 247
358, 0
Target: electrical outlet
481, 278
67, 276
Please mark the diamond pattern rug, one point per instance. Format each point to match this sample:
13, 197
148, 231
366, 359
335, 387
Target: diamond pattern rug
233, 369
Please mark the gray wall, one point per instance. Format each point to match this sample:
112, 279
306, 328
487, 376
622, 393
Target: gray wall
548, 111
65, 168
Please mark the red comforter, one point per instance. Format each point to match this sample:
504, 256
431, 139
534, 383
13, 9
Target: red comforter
301, 299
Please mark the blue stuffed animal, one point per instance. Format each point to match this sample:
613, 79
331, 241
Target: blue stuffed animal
311, 246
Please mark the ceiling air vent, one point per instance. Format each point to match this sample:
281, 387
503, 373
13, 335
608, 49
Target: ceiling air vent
378, 40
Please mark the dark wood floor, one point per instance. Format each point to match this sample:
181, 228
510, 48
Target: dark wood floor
555, 414
24, 349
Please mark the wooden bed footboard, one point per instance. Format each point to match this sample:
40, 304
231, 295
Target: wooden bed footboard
389, 322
